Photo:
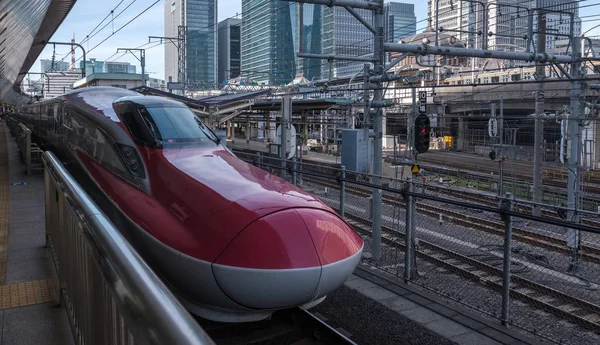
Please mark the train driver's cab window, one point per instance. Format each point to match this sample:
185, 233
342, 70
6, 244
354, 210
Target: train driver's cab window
177, 125
134, 124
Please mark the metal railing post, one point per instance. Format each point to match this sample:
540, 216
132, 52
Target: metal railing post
27, 150
408, 233
294, 180
508, 206
257, 159
342, 190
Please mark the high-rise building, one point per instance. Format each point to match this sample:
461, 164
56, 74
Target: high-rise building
507, 21
344, 35
229, 49
462, 19
200, 19
94, 66
59, 66
557, 23
269, 43
312, 26
400, 21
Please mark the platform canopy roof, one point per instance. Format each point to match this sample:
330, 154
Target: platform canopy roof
220, 107
25, 28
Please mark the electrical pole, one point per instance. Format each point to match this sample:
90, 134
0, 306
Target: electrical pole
379, 56
538, 141
367, 109
141, 59
501, 151
574, 132
181, 57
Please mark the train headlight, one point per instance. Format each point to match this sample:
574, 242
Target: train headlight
132, 160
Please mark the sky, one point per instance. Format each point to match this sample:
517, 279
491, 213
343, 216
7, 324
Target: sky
87, 14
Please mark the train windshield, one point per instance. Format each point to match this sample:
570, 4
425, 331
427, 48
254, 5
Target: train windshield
177, 125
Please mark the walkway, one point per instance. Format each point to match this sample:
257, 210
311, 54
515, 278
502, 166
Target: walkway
28, 314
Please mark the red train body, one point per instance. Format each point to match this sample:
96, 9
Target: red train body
233, 242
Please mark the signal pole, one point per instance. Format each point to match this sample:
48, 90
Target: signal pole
141, 59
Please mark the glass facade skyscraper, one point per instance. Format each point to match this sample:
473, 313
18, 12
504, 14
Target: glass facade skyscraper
269, 43
200, 17
229, 49
345, 35
400, 22
312, 28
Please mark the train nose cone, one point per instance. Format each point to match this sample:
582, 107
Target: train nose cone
339, 247
271, 264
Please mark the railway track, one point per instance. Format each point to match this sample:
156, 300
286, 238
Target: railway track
555, 244
539, 296
492, 201
286, 327
476, 171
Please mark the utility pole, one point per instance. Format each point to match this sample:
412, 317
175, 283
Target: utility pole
538, 141
501, 151
181, 57
575, 121
366, 96
141, 59
379, 56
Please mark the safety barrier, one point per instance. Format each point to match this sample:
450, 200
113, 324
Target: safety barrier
30, 153
111, 295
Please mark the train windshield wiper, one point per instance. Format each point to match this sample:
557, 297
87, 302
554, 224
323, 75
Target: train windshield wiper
210, 134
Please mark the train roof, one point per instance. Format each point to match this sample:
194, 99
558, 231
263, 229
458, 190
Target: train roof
98, 99
151, 101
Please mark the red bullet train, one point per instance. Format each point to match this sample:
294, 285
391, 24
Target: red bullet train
233, 242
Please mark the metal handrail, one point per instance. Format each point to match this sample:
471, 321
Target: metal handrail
97, 267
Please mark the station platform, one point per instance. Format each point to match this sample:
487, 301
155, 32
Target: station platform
29, 313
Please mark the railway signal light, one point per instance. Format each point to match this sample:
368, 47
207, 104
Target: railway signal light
422, 130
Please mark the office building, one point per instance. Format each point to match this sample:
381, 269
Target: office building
557, 23
94, 66
400, 21
506, 21
46, 65
269, 43
312, 27
199, 17
344, 35
118, 67
229, 51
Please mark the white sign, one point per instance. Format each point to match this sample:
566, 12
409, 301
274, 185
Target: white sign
493, 127
290, 140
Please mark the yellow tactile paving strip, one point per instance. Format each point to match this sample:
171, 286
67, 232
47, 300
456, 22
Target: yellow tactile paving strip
4, 203
24, 294
20, 294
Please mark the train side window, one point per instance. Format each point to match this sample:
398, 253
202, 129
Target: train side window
133, 124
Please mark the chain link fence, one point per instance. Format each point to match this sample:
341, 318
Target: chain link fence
462, 243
